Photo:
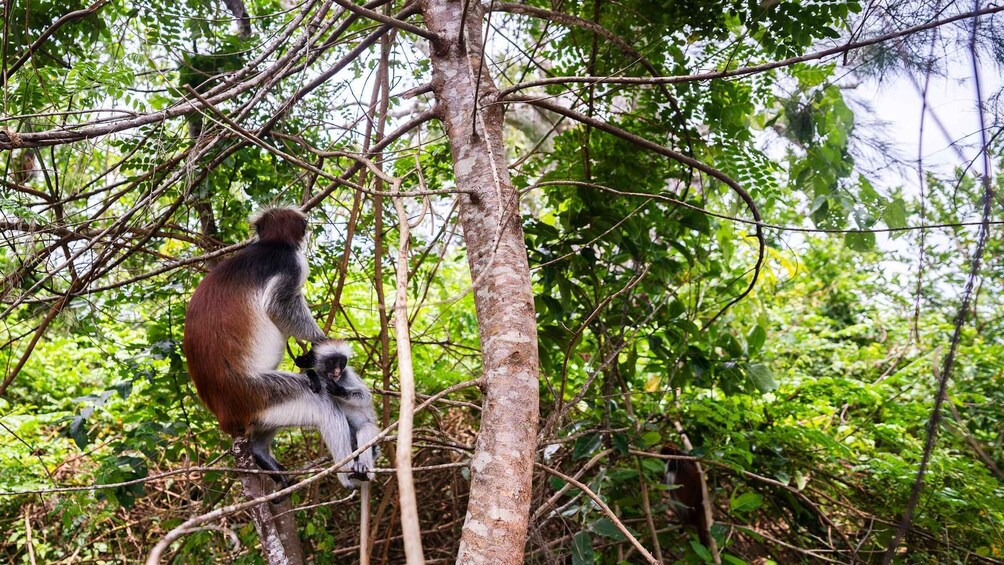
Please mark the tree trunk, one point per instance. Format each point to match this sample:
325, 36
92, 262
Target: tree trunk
275, 523
497, 512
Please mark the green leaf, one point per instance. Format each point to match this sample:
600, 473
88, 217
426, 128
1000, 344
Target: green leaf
653, 465
77, 430
730, 344
649, 439
606, 528
730, 378
701, 551
755, 340
859, 241
582, 549
585, 445
762, 377
124, 388
810, 76
699, 364
746, 502
863, 217
894, 214
621, 443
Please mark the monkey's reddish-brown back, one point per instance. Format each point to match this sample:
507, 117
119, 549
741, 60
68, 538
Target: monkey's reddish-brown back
688, 492
217, 343
229, 337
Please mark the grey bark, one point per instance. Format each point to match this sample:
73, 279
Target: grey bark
275, 523
240, 13
496, 522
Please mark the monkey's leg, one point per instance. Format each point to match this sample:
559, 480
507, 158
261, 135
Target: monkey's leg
294, 405
362, 430
261, 450
337, 436
362, 421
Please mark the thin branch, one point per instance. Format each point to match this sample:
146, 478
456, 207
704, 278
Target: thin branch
750, 475
570, 20
603, 508
751, 70
777, 227
390, 20
933, 424
63, 20
51, 315
567, 486
216, 95
646, 507
378, 147
755, 533
202, 470
562, 408
681, 158
410, 526
709, 516
973, 444
340, 180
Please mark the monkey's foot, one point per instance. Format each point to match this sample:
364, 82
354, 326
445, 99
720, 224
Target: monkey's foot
281, 482
361, 472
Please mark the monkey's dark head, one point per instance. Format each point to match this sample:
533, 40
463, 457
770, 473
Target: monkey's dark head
287, 225
331, 358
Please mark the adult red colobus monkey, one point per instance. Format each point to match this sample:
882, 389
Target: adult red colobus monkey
684, 480
236, 328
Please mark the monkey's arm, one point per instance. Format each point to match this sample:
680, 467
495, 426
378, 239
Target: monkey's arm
288, 310
352, 389
315, 381
350, 394
336, 389
306, 360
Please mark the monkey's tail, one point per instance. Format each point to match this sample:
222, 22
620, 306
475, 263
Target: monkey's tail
702, 525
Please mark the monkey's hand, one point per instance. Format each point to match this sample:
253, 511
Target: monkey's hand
336, 389
306, 361
315, 381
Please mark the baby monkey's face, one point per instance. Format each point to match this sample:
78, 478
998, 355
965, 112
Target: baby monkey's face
332, 366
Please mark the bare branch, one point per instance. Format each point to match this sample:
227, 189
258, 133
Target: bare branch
680, 157
603, 508
377, 16
751, 70
410, 526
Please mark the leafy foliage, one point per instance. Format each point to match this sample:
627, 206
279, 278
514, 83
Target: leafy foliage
807, 401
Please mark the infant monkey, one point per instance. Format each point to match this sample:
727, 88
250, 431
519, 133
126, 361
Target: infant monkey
327, 366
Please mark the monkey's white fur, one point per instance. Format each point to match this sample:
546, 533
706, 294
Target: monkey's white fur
329, 348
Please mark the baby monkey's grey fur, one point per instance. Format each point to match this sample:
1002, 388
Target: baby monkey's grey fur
330, 368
